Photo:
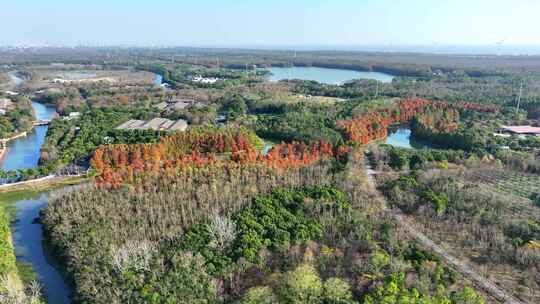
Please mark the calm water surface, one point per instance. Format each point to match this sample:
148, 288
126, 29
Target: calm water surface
158, 80
324, 75
23, 152
401, 138
28, 242
27, 233
16, 79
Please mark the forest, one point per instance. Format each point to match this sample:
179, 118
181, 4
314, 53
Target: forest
286, 192
297, 235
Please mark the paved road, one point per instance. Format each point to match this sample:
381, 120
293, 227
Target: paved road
478, 280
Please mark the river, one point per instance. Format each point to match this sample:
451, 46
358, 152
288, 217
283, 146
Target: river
27, 233
325, 75
24, 152
27, 236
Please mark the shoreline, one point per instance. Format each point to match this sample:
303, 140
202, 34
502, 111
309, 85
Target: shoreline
42, 183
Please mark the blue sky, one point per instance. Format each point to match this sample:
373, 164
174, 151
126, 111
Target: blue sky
270, 22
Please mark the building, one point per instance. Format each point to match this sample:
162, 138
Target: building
157, 124
206, 80
521, 131
72, 115
176, 104
5, 103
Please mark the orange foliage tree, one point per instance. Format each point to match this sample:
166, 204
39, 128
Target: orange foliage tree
119, 164
374, 124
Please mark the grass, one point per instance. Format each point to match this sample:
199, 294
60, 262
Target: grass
25, 272
10, 195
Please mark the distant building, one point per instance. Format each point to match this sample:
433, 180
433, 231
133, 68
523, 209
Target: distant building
157, 124
176, 104
206, 80
520, 130
4, 103
72, 115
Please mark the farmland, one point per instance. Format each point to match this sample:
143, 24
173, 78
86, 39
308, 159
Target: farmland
508, 182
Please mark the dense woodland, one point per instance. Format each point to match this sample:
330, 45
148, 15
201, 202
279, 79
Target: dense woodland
227, 238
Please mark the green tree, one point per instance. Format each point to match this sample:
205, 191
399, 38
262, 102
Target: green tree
467, 296
398, 159
259, 295
301, 286
417, 160
337, 291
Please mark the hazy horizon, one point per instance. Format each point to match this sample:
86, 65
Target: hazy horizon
490, 26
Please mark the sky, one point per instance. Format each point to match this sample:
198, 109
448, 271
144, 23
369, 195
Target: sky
252, 23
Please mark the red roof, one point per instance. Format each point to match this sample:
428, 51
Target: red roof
522, 129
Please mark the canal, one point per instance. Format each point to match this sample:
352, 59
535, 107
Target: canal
27, 232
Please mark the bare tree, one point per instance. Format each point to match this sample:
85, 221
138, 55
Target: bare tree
224, 230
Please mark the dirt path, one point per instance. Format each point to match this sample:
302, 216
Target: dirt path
463, 268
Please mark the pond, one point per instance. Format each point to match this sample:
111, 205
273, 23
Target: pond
158, 80
400, 137
324, 75
15, 78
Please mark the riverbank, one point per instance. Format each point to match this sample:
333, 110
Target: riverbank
18, 273
40, 184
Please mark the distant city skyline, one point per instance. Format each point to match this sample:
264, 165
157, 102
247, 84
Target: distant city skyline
496, 25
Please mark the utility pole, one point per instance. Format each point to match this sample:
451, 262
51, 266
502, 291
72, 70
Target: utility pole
519, 96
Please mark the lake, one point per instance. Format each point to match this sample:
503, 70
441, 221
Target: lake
325, 75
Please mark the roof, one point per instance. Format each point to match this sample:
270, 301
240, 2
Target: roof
154, 124
522, 129
180, 125
180, 105
4, 103
131, 124
162, 105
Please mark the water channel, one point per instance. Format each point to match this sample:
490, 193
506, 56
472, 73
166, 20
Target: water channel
27, 233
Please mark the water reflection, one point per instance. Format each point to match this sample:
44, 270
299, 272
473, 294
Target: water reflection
28, 243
